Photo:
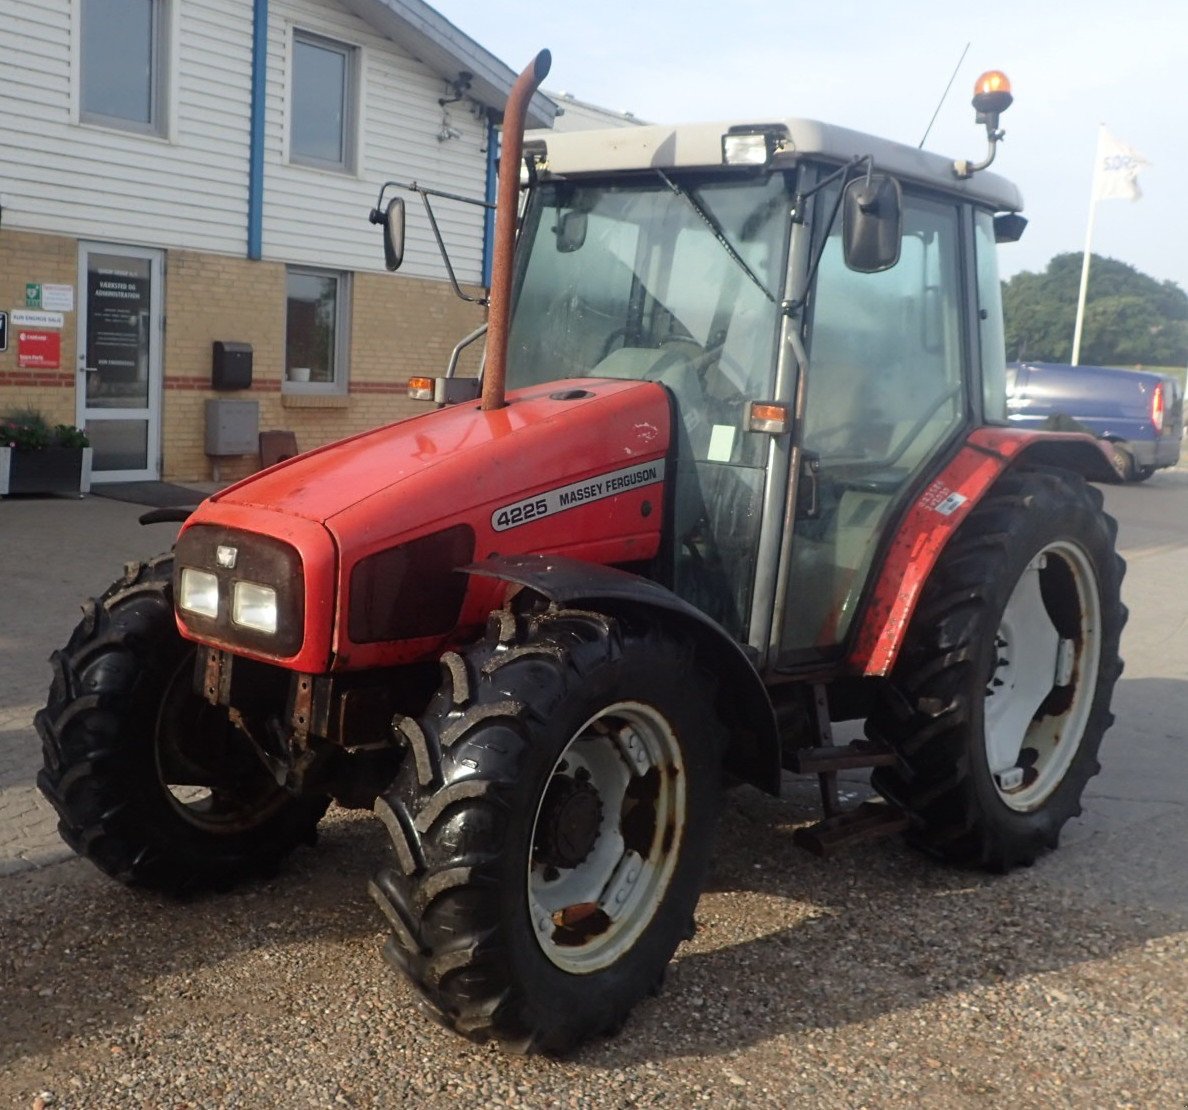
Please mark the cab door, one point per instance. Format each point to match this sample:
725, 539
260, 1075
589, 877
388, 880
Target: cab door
886, 391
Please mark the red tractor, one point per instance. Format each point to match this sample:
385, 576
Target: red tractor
740, 469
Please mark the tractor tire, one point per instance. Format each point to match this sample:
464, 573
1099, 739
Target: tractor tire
1007, 669
570, 765
151, 783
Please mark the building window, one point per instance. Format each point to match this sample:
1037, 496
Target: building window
322, 109
123, 52
316, 330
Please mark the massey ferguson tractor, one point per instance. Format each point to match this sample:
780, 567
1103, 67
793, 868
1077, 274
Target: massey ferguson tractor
737, 469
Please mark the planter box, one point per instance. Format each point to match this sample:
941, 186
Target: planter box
50, 470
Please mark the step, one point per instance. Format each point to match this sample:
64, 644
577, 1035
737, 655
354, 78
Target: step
868, 821
856, 755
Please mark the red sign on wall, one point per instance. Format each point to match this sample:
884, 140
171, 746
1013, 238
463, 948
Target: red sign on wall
40, 349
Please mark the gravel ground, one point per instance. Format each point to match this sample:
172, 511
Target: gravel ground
879, 979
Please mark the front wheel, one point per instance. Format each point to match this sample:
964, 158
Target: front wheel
1008, 667
151, 783
551, 826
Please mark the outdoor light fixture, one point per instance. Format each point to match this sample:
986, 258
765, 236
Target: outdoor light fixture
199, 592
992, 96
254, 606
752, 145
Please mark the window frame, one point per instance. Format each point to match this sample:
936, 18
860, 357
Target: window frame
159, 125
352, 103
339, 385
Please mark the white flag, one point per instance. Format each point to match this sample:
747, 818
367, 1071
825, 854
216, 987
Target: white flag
1116, 173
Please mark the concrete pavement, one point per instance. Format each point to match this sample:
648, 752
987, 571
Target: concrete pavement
54, 553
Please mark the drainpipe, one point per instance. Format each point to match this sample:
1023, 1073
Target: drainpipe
499, 317
489, 213
255, 230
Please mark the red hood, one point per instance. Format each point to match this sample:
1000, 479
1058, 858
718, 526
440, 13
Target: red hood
538, 436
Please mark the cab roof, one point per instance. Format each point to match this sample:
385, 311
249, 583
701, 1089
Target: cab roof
699, 145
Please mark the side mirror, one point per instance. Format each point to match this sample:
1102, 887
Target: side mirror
571, 232
872, 216
394, 233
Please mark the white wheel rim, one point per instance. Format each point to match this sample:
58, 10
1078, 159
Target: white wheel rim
1041, 686
588, 914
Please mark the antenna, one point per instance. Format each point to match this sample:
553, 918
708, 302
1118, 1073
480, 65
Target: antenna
943, 95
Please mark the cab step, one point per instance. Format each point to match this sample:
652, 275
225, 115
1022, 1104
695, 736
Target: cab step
868, 821
854, 756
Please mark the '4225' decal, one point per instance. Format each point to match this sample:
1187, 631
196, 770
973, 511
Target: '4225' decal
575, 494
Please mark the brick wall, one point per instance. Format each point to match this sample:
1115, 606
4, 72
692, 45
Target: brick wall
399, 327
48, 259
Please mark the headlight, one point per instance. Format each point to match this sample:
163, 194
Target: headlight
254, 606
199, 592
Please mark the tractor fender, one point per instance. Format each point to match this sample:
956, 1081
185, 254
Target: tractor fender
753, 754
946, 501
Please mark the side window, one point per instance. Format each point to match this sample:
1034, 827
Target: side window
886, 381
123, 60
991, 337
323, 103
316, 330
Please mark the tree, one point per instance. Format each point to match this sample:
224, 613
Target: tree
1130, 317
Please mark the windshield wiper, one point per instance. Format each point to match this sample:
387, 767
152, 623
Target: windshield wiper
717, 231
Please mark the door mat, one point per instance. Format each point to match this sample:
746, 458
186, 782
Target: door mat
158, 495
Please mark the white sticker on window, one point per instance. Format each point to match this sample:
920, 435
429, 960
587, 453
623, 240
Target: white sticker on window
575, 494
721, 444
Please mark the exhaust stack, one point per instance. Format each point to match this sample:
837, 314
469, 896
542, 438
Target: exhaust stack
499, 316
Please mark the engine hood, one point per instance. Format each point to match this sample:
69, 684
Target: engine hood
575, 468
558, 430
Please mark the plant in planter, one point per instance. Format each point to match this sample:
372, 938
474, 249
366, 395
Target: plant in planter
38, 458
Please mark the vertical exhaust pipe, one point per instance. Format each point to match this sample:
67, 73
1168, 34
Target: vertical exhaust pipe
499, 316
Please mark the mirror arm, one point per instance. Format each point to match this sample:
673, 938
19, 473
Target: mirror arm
790, 308
843, 172
445, 257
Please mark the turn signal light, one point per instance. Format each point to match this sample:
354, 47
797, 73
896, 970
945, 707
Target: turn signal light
766, 416
420, 389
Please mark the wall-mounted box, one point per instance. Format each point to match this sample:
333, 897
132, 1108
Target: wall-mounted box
232, 427
231, 365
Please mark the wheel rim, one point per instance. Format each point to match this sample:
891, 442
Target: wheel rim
208, 775
606, 837
1044, 675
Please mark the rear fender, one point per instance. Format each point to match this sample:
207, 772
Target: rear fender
929, 524
753, 754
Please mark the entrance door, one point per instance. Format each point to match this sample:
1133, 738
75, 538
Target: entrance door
119, 360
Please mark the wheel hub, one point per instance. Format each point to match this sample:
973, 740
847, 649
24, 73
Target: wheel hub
570, 818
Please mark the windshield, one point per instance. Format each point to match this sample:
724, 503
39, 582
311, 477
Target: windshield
633, 281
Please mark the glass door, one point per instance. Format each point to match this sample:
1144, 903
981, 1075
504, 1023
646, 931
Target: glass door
119, 360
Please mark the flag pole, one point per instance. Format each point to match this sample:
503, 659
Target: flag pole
1079, 326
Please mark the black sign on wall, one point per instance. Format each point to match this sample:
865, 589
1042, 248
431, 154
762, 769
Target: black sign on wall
3, 331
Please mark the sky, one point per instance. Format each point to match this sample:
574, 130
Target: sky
882, 68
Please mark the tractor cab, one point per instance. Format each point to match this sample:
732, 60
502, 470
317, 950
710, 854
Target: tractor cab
771, 277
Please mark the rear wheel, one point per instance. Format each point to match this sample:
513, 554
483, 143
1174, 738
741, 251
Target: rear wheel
1125, 464
1008, 666
151, 783
551, 827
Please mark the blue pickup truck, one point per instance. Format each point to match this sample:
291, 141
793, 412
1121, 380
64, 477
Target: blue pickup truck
1140, 412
